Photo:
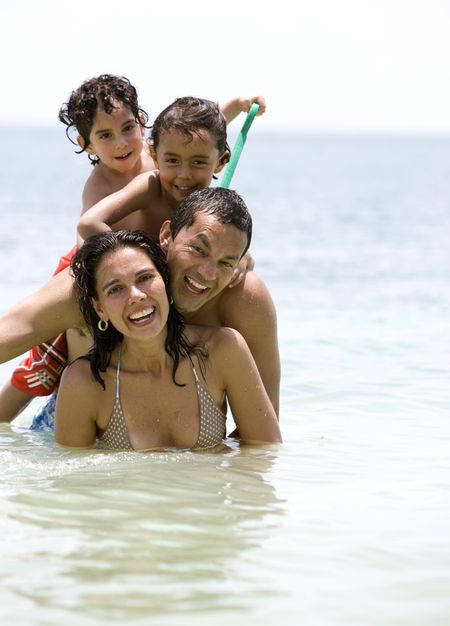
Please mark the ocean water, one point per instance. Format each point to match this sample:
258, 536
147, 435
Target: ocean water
347, 522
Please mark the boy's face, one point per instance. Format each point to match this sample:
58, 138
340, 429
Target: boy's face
116, 139
201, 259
186, 165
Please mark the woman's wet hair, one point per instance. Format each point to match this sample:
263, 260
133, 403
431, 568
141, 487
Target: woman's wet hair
225, 205
105, 92
189, 116
84, 268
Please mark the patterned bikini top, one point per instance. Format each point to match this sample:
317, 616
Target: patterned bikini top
212, 420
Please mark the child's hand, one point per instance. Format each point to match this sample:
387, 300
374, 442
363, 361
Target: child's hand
242, 105
246, 264
246, 103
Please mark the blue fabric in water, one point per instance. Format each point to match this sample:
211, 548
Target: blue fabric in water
44, 419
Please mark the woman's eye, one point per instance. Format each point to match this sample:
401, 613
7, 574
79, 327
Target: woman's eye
105, 135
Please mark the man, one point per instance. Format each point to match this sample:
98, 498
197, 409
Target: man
204, 241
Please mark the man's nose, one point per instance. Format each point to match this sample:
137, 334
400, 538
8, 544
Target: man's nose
208, 269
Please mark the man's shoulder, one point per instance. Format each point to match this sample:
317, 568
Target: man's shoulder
250, 296
251, 288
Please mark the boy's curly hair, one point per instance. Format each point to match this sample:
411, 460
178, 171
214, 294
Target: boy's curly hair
103, 91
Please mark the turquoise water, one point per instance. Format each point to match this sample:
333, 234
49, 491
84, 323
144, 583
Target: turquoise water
346, 522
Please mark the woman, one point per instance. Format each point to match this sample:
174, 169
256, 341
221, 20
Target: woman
149, 382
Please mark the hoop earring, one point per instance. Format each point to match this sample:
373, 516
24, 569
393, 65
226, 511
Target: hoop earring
102, 326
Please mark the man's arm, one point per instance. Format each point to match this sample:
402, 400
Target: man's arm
76, 407
249, 309
46, 313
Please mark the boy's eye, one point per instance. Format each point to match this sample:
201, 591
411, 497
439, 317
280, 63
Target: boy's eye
228, 264
171, 160
200, 163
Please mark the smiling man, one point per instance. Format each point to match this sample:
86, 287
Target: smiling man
204, 241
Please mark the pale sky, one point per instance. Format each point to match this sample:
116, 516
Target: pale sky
338, 65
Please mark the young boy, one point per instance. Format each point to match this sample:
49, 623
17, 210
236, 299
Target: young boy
105, 113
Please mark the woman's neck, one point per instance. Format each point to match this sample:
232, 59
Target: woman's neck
140, 356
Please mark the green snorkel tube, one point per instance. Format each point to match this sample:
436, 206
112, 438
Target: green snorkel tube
236, 152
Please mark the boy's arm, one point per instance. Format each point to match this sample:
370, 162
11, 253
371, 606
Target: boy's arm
249, 309
241, 105
46, 313
135, 196
246, 264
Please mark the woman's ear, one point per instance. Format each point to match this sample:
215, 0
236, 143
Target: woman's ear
165, 235
98, 309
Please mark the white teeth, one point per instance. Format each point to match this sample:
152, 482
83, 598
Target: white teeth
195, 284
140, 314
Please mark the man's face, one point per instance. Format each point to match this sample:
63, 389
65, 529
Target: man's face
201, 260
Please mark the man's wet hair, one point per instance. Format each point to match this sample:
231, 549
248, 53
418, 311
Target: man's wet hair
225, 205
104, 91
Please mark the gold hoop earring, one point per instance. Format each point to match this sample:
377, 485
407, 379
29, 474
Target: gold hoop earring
102, 326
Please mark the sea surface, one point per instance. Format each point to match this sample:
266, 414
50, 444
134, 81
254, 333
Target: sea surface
348, 521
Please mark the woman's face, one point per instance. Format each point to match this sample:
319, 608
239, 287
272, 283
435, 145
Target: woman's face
131, 294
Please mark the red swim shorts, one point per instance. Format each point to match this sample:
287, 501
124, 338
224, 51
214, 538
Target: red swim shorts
39, 373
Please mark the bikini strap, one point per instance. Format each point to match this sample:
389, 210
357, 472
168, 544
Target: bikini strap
193, 369
118, 375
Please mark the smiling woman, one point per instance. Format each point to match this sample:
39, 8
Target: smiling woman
149, 381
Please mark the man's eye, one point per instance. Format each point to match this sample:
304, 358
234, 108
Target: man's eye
144, 277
